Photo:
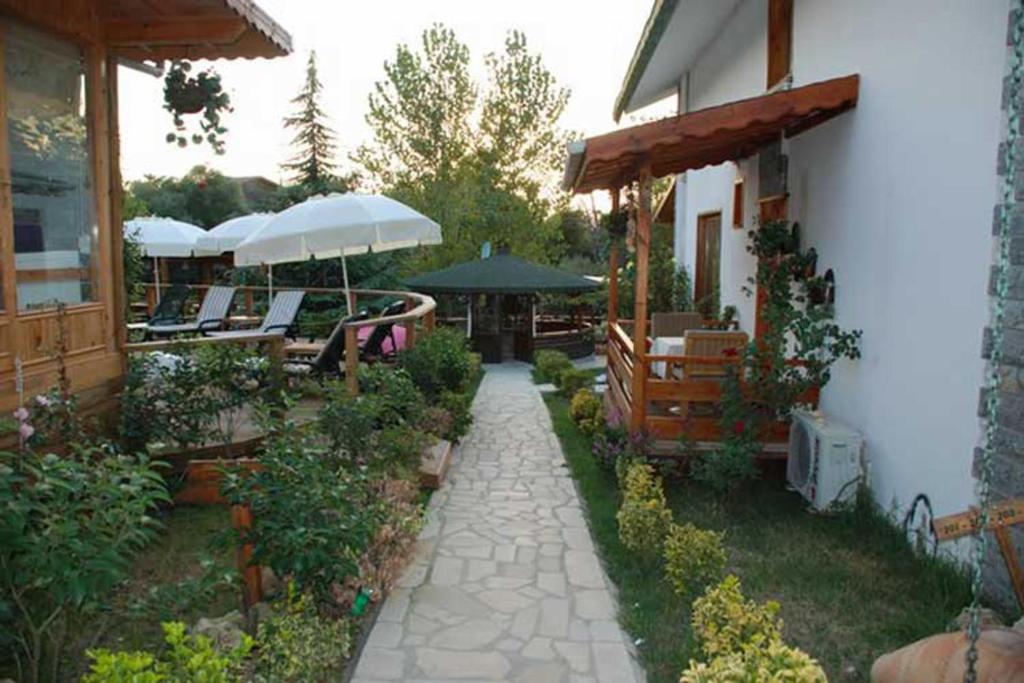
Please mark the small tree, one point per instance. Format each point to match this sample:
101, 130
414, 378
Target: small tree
314, 139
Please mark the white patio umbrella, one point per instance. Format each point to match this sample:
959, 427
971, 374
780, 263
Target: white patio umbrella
228, 235
165, 237
337, 225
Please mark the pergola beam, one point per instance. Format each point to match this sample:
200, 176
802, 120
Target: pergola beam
179, 31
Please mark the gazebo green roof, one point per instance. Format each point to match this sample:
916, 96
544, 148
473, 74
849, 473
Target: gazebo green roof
499, 274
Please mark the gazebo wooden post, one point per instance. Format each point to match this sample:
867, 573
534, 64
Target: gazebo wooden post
638, 416
613, 269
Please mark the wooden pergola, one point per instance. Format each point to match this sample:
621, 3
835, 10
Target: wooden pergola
673, 145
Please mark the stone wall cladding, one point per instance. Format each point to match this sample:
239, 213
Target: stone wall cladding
1008, 455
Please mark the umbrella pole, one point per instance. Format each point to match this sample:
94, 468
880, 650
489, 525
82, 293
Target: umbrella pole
270, 282
344, 276
156, 278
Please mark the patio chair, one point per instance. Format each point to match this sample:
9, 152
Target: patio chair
279, 319
168, 311
212, 313
711, 343
328, 360
675, 324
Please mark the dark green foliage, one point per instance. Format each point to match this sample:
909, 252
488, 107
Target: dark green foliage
732, 465
572, 380
682, 290
347, 421
457, 405
313, 163
203, 196
134, 265
69, 529
395, 397
548, 366
186, 95
313, 519
439, 362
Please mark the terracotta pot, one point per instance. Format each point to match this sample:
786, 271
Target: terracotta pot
941, 659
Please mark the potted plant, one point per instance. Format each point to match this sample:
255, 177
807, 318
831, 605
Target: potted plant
186, 95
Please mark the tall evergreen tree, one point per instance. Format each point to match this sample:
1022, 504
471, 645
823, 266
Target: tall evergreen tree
313, 139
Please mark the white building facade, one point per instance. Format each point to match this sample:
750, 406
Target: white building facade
896, 196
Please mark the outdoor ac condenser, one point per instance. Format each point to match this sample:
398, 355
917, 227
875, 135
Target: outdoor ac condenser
824, 459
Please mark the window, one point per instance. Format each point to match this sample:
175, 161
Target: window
51, 175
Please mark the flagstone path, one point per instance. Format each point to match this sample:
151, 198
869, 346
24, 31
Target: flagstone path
505, 585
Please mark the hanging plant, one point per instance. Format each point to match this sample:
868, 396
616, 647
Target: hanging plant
186, 95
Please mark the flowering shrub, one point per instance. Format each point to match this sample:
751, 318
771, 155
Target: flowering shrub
549, 365
724, 621
643, 516
693, 557
187, 659
296, 644
587, 411
775, 662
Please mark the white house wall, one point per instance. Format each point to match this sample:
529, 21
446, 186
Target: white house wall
896, 196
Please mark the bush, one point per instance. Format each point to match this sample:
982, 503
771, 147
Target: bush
572, 380
347, 421
775, 662
312, 519
549, 366
458, 406
643, 516
186, 660
439, 362
693, 557
393, 397
69, 530
587, 411
296, 644
724, 621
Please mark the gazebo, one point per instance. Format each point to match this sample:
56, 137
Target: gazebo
501, 311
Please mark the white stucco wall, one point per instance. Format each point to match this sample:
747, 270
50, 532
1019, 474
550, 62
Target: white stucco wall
896, 196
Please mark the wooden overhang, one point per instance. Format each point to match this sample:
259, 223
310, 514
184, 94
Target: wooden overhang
705, 137
191, 29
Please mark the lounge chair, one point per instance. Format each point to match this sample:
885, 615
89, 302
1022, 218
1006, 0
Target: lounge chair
675, 324
711, 343
328, 360
279, 319
168, 311
212, 314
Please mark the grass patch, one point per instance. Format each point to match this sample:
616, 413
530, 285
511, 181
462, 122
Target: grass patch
850, 587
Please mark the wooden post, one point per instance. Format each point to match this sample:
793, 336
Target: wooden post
638, 416
613, 270
247, 299
252, 589
410, 326
352, 360
429, 321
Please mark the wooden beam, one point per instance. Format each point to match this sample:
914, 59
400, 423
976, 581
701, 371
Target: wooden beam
116, 197
780, 40
643, 247
174, 31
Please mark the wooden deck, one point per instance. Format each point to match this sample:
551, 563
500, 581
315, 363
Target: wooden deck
685, 402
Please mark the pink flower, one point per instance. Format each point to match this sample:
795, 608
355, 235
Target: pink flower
43, 400
21, 414
26, 430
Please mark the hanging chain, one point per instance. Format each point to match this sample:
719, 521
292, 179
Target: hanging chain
1002, 282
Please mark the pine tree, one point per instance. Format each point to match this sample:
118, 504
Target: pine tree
313, 139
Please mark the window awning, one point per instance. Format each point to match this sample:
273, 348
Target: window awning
704, 137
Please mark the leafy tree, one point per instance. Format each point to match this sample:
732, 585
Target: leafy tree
202, 196
435, 149
314, 139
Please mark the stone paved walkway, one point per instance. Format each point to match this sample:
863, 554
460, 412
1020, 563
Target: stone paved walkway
505, 585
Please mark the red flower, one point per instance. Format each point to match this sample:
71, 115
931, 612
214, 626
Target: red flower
730, 352
738, 427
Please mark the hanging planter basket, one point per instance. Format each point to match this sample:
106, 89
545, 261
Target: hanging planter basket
186, 95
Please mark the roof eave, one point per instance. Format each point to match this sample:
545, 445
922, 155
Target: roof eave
654, 29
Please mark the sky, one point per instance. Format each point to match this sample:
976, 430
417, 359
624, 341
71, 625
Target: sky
587, 44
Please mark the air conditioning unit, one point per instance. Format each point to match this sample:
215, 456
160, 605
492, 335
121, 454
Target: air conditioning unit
824, 459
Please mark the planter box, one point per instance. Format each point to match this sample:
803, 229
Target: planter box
434, 464
203, 480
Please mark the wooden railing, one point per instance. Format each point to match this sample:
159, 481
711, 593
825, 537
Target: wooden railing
683, 400
418, 319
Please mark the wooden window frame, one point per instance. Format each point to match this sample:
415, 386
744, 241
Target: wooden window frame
737, 203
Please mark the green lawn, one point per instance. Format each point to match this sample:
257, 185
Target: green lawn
849, 586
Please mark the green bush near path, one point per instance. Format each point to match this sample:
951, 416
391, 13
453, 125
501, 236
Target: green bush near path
850, 588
